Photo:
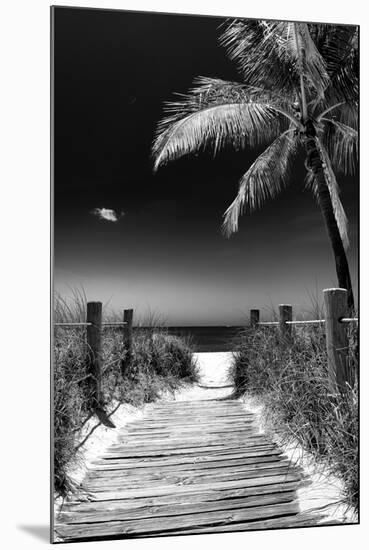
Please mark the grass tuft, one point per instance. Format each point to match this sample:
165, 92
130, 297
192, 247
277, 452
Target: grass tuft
290, 378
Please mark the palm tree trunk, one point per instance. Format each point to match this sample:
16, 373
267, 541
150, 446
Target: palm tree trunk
325, 203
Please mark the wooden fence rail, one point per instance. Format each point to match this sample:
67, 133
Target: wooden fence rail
112, 324
336, 317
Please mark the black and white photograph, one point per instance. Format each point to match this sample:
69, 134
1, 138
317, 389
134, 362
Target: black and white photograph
205, 274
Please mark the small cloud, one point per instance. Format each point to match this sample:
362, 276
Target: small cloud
106, 214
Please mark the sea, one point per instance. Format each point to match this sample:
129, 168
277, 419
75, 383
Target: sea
208, 338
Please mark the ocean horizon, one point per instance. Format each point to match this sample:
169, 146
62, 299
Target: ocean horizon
205, 338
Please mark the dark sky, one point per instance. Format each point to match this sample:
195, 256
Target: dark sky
113, 71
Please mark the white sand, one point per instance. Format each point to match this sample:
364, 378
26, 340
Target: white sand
214, 381
101, 438
323, 495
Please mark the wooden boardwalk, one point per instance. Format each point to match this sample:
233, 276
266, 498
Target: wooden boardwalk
186, 467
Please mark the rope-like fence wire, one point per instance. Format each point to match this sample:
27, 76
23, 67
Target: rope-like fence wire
72, 324
113, 324
309, 322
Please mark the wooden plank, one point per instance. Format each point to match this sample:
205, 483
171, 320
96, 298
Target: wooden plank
128, 441
195, 404
155, 473
183, 443
123, 513
189, 467
220, 426
190, 448
187, 435
184, 498
198, 403
207, 408
180, 489
190, 424
206, 414
208, 429
107, 463
152, 525
250, 470
195, 452
181, 499
178, 432
182, 411
180, 443
210, 415
285, 522
188, 427
216, 448
204, 406
177, 480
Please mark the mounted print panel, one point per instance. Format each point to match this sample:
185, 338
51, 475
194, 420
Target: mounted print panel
205, 277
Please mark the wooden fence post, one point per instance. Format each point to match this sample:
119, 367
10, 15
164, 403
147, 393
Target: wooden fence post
127, 338
285, 314
94, 316
335, 301
254, 317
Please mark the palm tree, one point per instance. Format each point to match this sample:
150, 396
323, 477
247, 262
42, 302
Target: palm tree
299, 93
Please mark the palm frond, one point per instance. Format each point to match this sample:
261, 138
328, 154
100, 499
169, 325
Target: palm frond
334, 192
258, 59
217, 113
343, 112
341, 143
268, 54
215, 88
338, 45
264, 179
298, 50
314, 65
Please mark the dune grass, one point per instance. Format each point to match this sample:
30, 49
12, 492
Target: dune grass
159, 363
290, 379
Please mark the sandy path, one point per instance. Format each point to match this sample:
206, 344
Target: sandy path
214, 380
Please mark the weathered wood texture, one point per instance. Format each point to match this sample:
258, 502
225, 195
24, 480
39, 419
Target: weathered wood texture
186, 467
285, 314
254, 317
94, 358
127, 338
335, 302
